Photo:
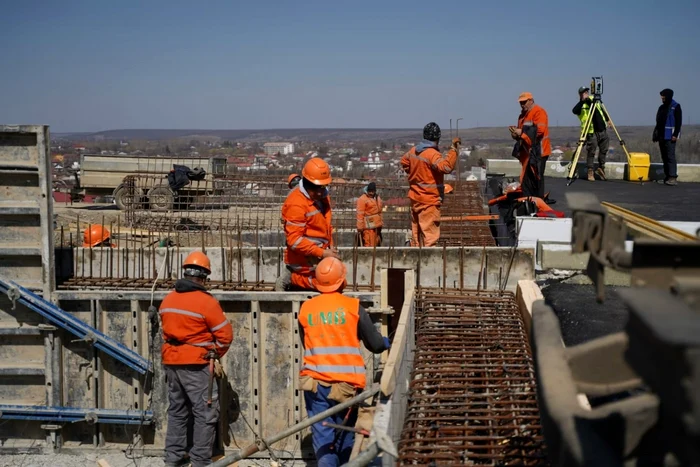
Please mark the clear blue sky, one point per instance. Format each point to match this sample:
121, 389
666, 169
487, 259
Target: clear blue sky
94, 65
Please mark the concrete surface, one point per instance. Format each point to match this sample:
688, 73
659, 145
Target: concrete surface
114, 460
580, 316
615, 170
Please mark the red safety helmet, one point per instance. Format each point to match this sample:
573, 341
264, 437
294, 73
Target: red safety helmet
330, 275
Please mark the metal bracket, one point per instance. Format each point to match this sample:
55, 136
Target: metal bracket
14, 295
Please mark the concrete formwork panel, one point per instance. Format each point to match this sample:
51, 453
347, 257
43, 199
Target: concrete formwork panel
262, 366
26, 218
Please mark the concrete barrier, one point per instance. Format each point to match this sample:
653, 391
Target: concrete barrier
433, 266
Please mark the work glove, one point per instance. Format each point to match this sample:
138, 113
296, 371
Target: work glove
456, 143
387, 344
218, 369
655, 137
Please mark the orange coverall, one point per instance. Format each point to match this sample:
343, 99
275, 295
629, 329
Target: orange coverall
426, 169
307, 227
535, 116
369, 209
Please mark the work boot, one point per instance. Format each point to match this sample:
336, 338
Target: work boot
591, 177
672, 181
283, 281
600, 171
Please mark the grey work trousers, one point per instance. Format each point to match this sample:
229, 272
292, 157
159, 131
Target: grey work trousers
187, 393
599, 140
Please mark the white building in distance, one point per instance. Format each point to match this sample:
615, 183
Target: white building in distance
282, 148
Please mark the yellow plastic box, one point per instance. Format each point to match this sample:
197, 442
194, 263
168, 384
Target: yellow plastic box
638, 167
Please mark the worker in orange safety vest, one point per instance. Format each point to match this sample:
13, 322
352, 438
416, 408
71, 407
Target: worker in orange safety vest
369, 216
331, 327
96, 235
195, 331
307, 226
426, 169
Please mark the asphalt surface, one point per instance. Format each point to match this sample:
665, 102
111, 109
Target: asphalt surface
581, 318
651, 199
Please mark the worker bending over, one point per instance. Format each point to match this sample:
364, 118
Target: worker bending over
96, 235
369, 216
532, 146
307, 226
331, 326
426, 169
194, 331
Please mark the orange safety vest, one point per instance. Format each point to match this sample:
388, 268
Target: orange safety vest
426, 174
193, 323
331, 344
369, 212
307, 228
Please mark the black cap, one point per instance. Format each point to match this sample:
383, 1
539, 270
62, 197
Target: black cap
668, 93
583, 89
372, 187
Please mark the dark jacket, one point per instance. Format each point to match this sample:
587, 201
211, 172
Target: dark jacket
599, 121
662, 115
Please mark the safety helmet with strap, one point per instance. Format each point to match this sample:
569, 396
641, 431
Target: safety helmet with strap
197, 264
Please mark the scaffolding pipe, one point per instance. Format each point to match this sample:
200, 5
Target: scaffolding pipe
264, 443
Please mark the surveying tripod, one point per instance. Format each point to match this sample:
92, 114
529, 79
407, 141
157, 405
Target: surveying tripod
597, 106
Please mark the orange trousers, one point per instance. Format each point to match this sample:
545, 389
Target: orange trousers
370, 237
425, 224
304, 281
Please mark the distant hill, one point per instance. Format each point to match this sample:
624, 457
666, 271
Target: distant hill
492, 135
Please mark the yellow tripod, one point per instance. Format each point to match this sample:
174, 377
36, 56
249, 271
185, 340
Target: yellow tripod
597, 106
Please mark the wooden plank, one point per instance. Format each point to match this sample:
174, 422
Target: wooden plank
527, 293
393, 363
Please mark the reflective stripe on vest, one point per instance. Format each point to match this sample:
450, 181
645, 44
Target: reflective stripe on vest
332, 350
335, 369
181, 312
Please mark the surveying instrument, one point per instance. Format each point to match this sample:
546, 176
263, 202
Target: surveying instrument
596, 106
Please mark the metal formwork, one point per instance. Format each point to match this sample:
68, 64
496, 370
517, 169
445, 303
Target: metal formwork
26, 218
472, 396
262, 366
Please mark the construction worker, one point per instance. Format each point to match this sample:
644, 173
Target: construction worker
532, 147
669, 119
597, 135
426, 169
195, 331
307, 226
293, 180
369, 216
333, 369
97, 235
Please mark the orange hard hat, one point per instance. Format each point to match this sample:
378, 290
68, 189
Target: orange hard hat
448, 189
524, 96
197, 259
94, 235
317, 171
330, 275
291, 179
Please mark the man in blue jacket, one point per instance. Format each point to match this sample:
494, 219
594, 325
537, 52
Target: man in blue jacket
669, 119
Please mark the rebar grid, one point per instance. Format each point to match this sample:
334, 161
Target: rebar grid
472, 397
456, 227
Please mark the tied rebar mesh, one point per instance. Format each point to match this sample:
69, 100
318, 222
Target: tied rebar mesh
456, 226
472, 395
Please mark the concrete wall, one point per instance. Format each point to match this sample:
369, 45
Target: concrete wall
434, 266
615, 170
